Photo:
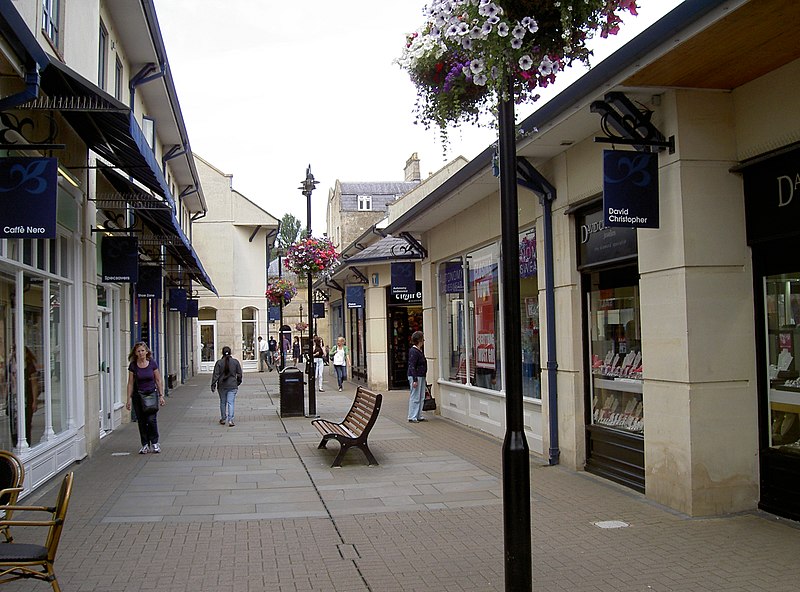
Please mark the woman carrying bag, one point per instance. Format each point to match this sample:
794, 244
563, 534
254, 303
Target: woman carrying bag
144, 383
227, 377
341, 360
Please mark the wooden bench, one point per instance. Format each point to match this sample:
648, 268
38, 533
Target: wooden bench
355, 427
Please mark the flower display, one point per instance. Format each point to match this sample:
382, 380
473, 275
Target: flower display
467, 51
311, 255
280, 291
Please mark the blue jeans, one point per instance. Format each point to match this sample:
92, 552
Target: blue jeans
341, 374
226, 399
416, 397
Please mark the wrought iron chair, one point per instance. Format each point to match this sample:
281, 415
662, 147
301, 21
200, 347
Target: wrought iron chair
12, 474
23, 560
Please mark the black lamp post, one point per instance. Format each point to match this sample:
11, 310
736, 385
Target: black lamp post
307, 187
516, 461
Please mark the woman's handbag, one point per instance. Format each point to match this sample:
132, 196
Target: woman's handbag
429, 404
149, 403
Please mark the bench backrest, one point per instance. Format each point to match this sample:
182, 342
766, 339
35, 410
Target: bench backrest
364, 412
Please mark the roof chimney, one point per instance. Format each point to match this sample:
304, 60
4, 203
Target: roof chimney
412, 168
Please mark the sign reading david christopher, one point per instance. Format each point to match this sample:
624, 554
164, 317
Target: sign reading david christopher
630, 189
28, 190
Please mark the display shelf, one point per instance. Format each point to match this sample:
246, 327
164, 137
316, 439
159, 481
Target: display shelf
784, 395
628, 385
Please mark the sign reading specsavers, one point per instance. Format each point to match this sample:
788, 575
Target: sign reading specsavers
28, 193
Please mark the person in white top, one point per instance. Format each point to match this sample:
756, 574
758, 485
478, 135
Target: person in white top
263, 352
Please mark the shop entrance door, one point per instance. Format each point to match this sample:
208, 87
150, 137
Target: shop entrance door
207, 338
105, 351
403, 321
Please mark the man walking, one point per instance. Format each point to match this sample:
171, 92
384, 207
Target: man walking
263, 352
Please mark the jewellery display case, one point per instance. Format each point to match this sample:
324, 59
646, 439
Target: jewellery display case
616, 360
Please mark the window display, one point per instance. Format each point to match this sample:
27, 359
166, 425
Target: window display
616, 359
782, 299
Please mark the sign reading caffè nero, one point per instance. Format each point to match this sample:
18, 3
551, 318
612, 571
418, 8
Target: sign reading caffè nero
28, 197
772, 197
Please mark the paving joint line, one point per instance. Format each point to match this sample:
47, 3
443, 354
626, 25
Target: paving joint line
327, 510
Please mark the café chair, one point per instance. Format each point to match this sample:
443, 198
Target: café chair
12, 474
31, 561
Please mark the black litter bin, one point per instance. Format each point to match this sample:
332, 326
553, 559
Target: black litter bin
291, 384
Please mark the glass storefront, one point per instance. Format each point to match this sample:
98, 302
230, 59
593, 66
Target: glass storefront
782, 302
33, 378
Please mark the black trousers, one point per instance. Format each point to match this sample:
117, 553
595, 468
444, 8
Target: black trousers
148, 424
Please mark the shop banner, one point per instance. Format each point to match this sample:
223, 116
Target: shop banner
28, 197
149, 283
409, 299
403, 278
355, 296
274, 313
630, 189
527, 255
318, 310
454, 277
192, 308
177, 300
769, 197
120, 258
601, 245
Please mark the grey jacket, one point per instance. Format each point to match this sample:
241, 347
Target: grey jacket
226, 382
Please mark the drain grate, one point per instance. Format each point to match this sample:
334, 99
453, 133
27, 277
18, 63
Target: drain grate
611, 524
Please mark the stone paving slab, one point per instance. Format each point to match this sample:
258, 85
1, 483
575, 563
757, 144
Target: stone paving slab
257, 507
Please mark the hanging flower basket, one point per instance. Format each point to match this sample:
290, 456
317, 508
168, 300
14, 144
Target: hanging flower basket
311, 255
280, 291
465, 53
301, 327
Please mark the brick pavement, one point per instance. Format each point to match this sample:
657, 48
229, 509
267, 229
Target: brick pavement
257, 507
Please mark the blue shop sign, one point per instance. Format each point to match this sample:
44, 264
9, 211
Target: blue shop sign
355, 296
403, 278
630, 189
28, 197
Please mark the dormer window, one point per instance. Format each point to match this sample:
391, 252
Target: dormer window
364, 203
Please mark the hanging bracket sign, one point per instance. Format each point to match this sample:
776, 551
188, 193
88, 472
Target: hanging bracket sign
630, 189
28, 197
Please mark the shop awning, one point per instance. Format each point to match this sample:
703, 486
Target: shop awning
107, 125
161, 221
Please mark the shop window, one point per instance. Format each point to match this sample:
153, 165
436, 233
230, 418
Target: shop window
249, 325
782, 300
616, 354
483, 328
529, 315
452, 327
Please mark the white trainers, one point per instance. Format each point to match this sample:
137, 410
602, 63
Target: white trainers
156, 448
145, 449
322, 390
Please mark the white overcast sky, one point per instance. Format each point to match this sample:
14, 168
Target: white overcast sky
268, 87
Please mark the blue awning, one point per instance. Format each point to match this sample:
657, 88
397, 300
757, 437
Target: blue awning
161, 221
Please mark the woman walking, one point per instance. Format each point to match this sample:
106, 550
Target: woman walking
227, 377
341, 360
319, 362
144, 378
417, 369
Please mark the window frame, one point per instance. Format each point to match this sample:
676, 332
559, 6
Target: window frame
102, 56
51, 21
119, 72
149, 132
364, 203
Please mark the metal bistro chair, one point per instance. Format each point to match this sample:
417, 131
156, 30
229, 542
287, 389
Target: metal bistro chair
12, 474
23, 560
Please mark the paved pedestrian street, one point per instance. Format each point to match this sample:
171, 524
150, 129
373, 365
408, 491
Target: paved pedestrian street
257, 507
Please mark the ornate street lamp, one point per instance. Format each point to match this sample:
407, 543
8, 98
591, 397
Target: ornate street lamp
307, 187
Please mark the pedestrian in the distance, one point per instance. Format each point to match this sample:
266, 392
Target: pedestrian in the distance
226, 379
263, 354
296, 354
417, 369
319, 363
341, 360
144, 378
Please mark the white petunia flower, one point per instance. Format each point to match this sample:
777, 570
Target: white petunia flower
477, 66
546, 67
486, 29
525, 62
516, 43
467, 44
493, 20
502, 29
518, 32
480, 79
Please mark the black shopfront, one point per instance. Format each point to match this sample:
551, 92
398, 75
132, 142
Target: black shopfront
772, 206
404, 316
614, 408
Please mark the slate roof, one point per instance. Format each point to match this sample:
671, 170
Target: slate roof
397, 188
